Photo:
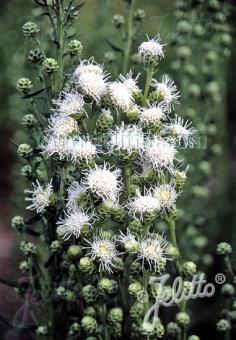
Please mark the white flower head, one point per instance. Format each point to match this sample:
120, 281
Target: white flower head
129, 138
160, 153
166, 195
73, 222
69, 103
130, 82
142, 205
153, 251
103, 182
153, 114
151, 49
128, 241
90, 79
75, 191
54, 145
40, 197
182, 130
120, 96
62, 126
166, 90
81, 149
103, 250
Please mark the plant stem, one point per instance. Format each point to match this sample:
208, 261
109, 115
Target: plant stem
129, 37
147, 85
172, 231
61, 36
127, 175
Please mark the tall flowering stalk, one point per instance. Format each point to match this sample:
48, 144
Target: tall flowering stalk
105, 171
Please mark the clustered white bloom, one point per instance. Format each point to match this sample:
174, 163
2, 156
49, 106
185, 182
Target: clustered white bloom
69, 138
40, 197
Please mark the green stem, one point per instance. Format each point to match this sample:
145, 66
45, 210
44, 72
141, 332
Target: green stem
172, 231
127, 175
129, 37
61, 36
147, 85
104, 311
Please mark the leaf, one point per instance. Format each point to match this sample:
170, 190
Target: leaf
33, 219
114, 47
33, 94
75, 9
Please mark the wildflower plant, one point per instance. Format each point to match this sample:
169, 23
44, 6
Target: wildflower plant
102, 183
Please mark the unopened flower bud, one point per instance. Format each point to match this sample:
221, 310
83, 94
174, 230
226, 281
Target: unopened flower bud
90, 310
115, 315
29, 120
135, 288
28, 248
74, 329
139, 14
41, 330
25, 266
118, 20
89, 293
159, 330
223, 249
75, 48
173, 330
147, 329
86, 265
30, 29
50, 65
35, 56
74, 251
17, 223
109, 57
24, 85
106, 285
55, 246
89, 325
24, 150
189, 268
182, 319
193, 337
137, 310
172, 251
223, 325
136, 226
228, 290
104, 121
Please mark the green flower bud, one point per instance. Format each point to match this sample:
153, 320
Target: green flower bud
74, 329
116, 330
173, 330
147, 329
30, 29
118, 20
108, 286
41, 330
223, 325
89, 293
75, 48
214, 4
74, 251
118, 265
86, 265
104, 121
139, 14
194, 90
227, 289
70, 296
182, 319
223, 249
172, 251
217, 149
184, 26
60, 292
35, 56
189, 268
26, 265
109, 57
50, 65
29, 120
55, 246
193, 337
89, 325
190, 70
184, 52
17, 223
115, 315
133, 114
198, 30
24, 150
159, 330
118, 213
135, 269
28, 248
24, 85
136, 226
137, 311
89, 310
135, 288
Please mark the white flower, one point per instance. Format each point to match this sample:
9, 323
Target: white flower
104, 251
73, 222
182, 130
120, 96
81, 150
62, 126
160, 153
129, 138
40, 197
90, 79
130, 82
151, 49
142, 205
166, 90
153, 251
103, 182
153, 114
55, 145
166, 195
129, 241
74, 192
69, 103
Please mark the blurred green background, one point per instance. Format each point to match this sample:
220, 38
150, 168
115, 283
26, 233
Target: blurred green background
200, 57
